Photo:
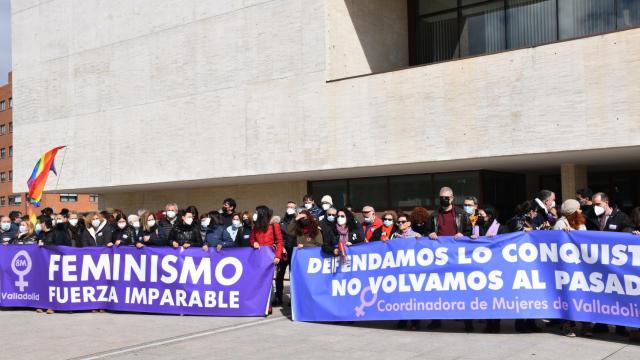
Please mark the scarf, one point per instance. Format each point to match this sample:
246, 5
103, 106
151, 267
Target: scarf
386, 232
343, 231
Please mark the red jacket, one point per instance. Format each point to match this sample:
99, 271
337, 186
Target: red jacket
368, 233
268, 238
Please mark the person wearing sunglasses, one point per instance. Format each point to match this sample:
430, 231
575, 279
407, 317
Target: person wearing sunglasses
388, 228
404, 230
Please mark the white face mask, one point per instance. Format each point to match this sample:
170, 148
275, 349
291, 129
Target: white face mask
331, 218
54, 222
326, 207
553, 204
188, 221
599, 210
388, 223
73, 222
368, 220
122, 225
95, 223
342, 220
23, 229
291, 211
236, 223
151, 223
255, 217
171, 214
308, 206
136, 224
204, 222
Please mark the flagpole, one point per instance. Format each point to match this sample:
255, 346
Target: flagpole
61, 168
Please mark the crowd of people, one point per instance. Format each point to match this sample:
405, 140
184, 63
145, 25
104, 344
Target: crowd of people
309, 224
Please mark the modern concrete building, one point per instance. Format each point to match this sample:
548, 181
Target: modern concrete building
379, 101
11, 201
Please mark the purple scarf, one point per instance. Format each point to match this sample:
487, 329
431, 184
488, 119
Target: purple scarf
344, 233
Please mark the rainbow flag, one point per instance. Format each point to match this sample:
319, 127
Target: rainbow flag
40, 174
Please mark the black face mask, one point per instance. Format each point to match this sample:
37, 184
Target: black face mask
445, 201
246, 222
303, 222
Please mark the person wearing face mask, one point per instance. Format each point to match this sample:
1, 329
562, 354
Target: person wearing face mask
608, 218
310, 205
231, 233
490, 226
151, 232
289, 241
523, 218
61, 233
26, 234
16, 219
219, 238
266, 233
206, 226
345, 234
325, 204
170, 219
583, 196
370, 223
419, 219
75, 229
123, 234
7, 233
134, 221
388, 228
544, 202
328, 224
98, 232
186, 233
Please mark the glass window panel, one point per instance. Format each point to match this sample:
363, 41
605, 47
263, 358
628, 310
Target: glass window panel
483, 29
462, 183
410, 191
437, 38
370, 191
337, 189
628, 13
585, 17
431, 6
531, 22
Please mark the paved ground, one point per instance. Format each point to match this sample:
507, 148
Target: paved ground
28, 335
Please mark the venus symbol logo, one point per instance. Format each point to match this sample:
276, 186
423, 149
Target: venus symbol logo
21, 266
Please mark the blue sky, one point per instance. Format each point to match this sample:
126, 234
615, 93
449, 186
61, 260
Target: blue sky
5, 39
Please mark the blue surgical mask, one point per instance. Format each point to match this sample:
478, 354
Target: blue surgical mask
38, 228
468, 210
388, 223
6, 226
331, 218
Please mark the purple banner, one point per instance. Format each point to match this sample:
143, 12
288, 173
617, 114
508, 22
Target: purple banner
233, 282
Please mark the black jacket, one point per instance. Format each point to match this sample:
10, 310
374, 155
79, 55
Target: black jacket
127, 236
518, 223
463, 225
227, 219
422, 229
166, 227
186, 234
617, 221
243, 236
97, 237
331, 243
288, 239
60, 235
327, 228
156, 238
76, 234
590, 216
24, 239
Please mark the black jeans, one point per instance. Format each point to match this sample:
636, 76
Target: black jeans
280, 271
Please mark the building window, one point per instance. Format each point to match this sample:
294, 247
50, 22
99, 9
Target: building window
449, 29
11, 127
10, 102
15, 200
3, 105
3, 129
3, 153
3, 201
11, 151
3, 176
71, 198
94, 198
10, 175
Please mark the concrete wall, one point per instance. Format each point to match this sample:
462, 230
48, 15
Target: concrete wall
155, 93
366, 36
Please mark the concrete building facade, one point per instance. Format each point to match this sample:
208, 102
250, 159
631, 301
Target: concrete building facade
196, 101
17, 201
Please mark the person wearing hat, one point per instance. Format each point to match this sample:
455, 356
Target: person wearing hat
326, 203
572, 218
